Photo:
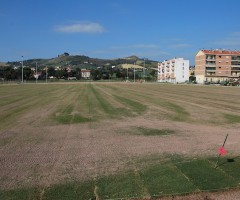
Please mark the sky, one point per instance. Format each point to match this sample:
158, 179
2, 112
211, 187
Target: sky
152, 29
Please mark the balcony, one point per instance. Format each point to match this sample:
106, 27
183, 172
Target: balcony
235, 58
235, 74
211, 58
210, 68
235, 69
210, 64
210, 74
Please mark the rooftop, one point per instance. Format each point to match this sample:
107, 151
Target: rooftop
221, 52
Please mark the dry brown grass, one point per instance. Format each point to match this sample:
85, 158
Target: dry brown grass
35, 150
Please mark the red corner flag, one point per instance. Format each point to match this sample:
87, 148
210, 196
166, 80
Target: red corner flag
222, 151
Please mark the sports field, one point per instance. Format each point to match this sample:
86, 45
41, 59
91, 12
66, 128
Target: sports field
117, 140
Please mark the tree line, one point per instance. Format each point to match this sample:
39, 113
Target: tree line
100, 73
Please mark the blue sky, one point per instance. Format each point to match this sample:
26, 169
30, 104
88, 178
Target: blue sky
153, 29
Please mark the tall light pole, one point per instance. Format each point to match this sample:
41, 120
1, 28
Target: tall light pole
36, 73
134, 74
46, 74
22, 69
144, 70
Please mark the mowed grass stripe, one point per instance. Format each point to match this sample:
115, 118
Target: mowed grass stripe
133, 104
108, 109
68, 111
176, 112
31, 102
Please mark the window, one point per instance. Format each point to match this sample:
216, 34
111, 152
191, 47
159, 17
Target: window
183, 68
220, 56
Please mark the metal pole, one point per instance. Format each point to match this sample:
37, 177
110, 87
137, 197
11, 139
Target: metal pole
144, 70
134, 74
22, 69
36, 73
46, 74
216, 164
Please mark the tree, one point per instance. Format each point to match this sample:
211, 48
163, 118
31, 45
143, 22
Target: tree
51, 71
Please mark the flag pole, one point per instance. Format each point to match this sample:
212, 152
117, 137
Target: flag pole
216, 165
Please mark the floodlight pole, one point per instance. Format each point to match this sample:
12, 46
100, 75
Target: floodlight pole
46, 74
22, 69
36, 73
144, 70
134, 74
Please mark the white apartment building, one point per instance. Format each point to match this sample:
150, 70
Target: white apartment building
173, 71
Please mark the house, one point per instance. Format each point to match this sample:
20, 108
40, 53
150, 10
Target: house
217, 65
174, 71
85, 73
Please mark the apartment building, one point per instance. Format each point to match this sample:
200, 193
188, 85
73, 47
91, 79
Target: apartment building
174, 71
217, 65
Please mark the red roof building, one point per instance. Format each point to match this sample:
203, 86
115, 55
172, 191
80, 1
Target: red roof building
217, 65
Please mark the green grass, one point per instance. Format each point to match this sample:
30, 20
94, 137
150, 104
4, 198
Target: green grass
67, 116
70, 191
20, 194
232, 118
144, 131
154, 132
135, 106
180, 113
165, 179
122, 185
179, 176
108, 109
203, 174
230, 165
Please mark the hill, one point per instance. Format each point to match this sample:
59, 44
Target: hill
82, 61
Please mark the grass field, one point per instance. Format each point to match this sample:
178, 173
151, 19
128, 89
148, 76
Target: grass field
116, 140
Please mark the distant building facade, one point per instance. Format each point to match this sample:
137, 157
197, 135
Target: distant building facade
85, 73
174, 71
217, 65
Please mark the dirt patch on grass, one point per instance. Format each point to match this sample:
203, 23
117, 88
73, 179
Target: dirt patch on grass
52, 154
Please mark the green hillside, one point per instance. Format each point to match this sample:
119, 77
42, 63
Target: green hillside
81, 61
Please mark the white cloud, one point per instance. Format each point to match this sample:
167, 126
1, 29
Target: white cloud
80, 27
